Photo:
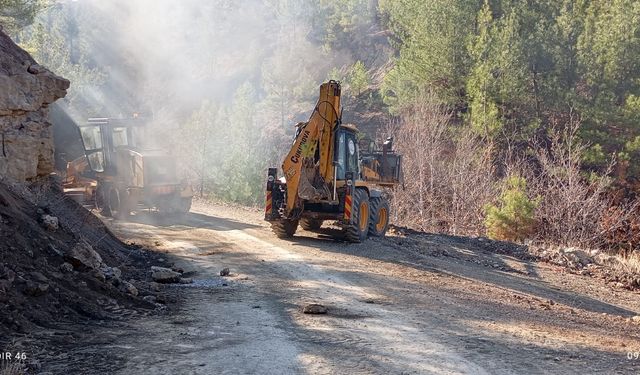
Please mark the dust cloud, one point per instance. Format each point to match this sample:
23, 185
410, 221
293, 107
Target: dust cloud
220, 82
166, 57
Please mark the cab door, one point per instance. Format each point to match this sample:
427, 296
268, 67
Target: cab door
91, 136
351, 154
346, 154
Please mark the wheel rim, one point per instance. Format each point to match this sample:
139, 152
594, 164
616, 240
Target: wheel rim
382, 219
364, 215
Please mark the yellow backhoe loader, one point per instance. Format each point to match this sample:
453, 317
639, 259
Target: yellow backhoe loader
327, 177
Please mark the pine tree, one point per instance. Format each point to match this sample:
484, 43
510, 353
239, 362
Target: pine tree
431, 37
358, 78
513, 219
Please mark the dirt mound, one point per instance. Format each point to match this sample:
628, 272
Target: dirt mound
616, 271
613, 270
60, 264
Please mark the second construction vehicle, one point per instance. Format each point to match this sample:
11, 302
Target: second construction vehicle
128, 174
327, 177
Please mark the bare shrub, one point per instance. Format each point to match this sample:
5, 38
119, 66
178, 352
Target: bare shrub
619, 228
448, 173
450, 178
629, 263
571, 203
471, 177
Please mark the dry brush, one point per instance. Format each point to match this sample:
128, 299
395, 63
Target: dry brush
451, 176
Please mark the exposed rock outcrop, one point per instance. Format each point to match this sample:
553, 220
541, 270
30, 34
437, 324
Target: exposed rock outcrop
26, 90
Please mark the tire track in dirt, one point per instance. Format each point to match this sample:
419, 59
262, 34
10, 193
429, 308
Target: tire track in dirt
383, 339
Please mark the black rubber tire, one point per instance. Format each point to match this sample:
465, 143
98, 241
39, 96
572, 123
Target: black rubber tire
119, 204
184, 204
167, 205
102, 200
284, 228
355, 232
310, 224
378, 205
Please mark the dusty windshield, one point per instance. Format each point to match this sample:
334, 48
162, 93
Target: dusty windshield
91, 137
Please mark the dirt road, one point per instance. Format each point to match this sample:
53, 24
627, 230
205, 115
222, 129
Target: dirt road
435, 304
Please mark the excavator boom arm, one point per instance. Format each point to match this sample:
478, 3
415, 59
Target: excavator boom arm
314, 143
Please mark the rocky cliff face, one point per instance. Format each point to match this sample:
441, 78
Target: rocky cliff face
26, 90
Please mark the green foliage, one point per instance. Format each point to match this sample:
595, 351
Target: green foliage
336, 74
513, 219
504, 65
606, 53
594, 156
222, 148
358, 78
431, 37
287, 84
196, 144
518, 67
607, 48
243, 165
55, 42
16, 14
482, 86
341, 24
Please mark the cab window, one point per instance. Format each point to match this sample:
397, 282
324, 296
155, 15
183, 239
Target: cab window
96, 161
120, 137
341, 154
91, 137
352, 154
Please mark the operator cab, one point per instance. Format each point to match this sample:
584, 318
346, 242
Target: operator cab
102, 137
382, 166
92, 142
346, 154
